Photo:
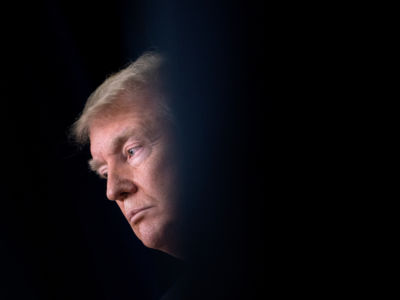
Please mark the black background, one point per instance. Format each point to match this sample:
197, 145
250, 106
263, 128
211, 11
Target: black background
61, 238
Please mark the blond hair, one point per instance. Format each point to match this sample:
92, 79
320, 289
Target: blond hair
144, 73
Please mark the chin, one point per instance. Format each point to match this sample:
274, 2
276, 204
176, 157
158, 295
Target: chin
152, 234
156, 236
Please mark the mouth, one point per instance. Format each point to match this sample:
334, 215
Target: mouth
136, 214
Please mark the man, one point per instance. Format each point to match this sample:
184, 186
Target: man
130, 130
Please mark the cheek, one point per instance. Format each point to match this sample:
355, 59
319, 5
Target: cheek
161, 175
156, 176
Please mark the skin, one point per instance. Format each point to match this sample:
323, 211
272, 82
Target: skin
131, 147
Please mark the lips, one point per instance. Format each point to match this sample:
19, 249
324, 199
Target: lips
135, 214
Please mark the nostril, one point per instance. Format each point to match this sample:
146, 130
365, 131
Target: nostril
124, 195
135, 188
120, 189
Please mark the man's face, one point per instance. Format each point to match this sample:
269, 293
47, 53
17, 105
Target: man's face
132, 148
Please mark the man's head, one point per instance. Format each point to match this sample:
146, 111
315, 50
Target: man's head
129, 127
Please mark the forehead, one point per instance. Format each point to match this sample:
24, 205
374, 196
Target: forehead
139, 117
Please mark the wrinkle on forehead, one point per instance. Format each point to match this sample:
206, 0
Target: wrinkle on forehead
108, 143
109, 130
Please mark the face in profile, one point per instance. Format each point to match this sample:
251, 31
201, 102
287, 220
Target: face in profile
132, 149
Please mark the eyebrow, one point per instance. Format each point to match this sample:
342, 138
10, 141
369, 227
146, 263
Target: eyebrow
94, 165
116, 143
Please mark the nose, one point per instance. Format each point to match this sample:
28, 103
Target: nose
119, 187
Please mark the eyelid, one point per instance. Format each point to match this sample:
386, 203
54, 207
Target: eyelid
102, 173
130, 147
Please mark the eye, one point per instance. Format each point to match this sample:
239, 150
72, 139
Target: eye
132, 151
103, 175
